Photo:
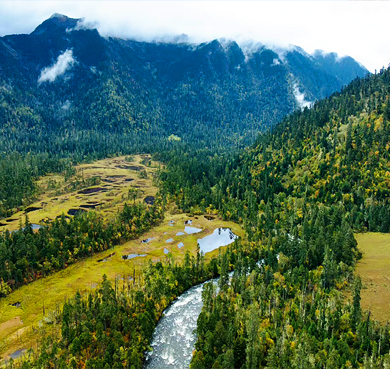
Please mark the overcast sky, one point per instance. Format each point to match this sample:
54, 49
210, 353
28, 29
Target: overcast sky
356, 28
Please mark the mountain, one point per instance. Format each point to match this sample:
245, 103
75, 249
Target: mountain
64, 78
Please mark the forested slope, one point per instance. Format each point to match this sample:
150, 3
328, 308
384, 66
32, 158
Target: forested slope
300, 191
335, 153
68, 92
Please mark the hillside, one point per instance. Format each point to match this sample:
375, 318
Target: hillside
66, 80
300, 191
335, 153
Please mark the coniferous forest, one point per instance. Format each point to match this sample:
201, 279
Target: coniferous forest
287, 294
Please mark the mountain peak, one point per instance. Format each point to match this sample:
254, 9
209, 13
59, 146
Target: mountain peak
58, 15
57, 22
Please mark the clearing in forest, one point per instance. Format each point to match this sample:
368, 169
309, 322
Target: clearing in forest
374, 270
103, 186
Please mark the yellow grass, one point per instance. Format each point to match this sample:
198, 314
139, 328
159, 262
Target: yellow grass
374, 269
58, 197
19, 327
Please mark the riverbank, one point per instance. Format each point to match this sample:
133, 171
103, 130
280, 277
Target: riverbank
21, 325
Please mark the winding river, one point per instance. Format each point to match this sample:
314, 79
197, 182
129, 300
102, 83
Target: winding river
174, 337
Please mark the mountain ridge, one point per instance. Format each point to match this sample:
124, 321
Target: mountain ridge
113, 84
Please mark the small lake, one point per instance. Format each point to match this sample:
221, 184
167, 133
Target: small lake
169, 240
220, 237
192, 230
180, 245
132, 256
17, 354
166, 251
147, 240
33, 226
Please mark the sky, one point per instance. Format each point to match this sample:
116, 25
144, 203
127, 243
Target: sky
355, 28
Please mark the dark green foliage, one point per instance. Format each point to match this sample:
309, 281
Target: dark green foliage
300, 190
336, 154
26, 256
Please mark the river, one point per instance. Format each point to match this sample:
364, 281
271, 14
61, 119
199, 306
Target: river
174, 338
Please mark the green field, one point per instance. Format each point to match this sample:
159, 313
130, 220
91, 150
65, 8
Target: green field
374, 269
19, 326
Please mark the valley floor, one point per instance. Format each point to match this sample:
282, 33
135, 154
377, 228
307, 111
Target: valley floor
102, 185
20, 325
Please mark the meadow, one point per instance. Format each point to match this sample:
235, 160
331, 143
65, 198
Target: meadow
29, 310
104, 185
374, 270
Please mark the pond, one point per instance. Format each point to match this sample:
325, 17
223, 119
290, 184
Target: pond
33, 226
17, 354
220, 237
132, 256
192, 230
147, 240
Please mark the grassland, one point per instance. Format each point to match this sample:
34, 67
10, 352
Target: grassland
374, 270
102, 185
20, 326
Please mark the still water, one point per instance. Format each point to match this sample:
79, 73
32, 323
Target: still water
220, 237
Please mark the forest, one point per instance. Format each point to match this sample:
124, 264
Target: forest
300, 192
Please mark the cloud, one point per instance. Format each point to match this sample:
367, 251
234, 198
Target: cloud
64, 62
82, 24
66, 106
300, 97
363, 36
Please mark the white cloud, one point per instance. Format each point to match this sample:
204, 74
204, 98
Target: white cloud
64, 62
355, 28
300, 97
66, 106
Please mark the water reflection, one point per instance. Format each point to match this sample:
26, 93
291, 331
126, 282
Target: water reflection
132, 256
191, 230
220, 237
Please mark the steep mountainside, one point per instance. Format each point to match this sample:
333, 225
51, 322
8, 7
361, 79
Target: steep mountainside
336, 153
65, 78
